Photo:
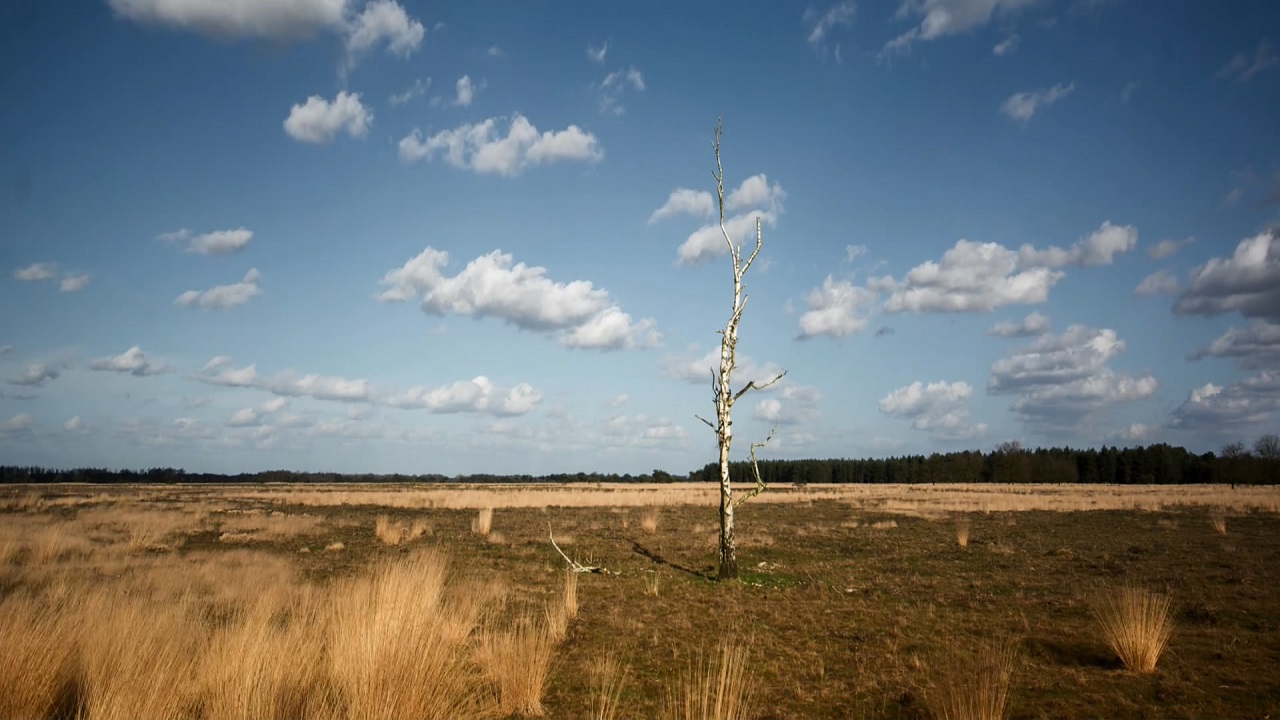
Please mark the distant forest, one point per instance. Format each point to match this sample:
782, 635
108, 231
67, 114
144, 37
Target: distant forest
1009, 463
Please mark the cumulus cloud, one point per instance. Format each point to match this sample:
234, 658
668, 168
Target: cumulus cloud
1247, 282
73, 283
1160, 282
478, 395
610, 90
218, 242
1257, 345
1243, 66
493, 285
19, 424
73, 424
838, 308
756, 198
319, 121
384, 21
221, 297
132, 361
1022, 106
36, 272
1135, 434
465, 91
1210, 408
1006, 46
791, 405
1061, 380
941, 18
939, 408
1098, 248
698, 203
1032, 325
971, 277
251, 416
1166, 248
274, 19
37, 374
219, 371
482, 148
821, 25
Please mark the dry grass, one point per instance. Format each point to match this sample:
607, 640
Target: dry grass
483, 522
570, 594
37, 644
718, 687
974, 684
391, 532
518, 662
649, 520
1218, 519
884, 524
963, 526
651, 584
608, 678
1136, 624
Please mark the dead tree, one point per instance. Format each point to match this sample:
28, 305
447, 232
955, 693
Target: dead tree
723, 393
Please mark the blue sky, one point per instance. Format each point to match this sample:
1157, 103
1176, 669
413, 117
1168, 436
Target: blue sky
381, 236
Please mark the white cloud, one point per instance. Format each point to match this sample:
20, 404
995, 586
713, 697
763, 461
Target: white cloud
218, 242
941, 18
465, 91
494, 52
685, 201
384, 20
1006, 46
1022, 106
18, 424
1098, 248
697, 369
1242, 67
36, 272
236, 18
222, 297
618, 400
755, 197
1135, 434
1248, 282
791, 405
419, 88
1061, 380
481, 148
1167, 247
614, 86
1257, 345
37, 374
597, 54
288, 383
73, 424
1032, 325
476, 395
838, 308
971, 277
250, 416
132, 361
1160, 282
73, 283
840, 14
493, 285
939, 408
1210, 408
318, 120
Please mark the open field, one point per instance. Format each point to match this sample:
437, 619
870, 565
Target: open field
451, 602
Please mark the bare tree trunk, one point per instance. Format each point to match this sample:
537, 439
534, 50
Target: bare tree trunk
722, 391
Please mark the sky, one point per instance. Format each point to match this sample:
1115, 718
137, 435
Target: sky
393, 236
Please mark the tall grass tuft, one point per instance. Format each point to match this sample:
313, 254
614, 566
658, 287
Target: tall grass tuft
608, 677
483, 522
570, 594
1218, 519
1136, 624
518, 661
718, 687
36, 651
962, 532
649, 520
973, 684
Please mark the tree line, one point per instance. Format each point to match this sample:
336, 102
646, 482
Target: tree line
1158, 464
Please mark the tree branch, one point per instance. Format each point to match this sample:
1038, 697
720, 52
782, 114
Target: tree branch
574, 566
755, 469
753, 386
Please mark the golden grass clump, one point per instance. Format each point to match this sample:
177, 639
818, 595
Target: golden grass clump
1136, 624
608, 677
651, 584
1218, 519
391, 532
38, 641
973, 684
649, 520
518, 662
570, 594
483, 522
718, 687
963, 526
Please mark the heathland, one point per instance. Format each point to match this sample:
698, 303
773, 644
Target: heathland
884, 601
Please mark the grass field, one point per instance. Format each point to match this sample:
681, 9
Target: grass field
451, 602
